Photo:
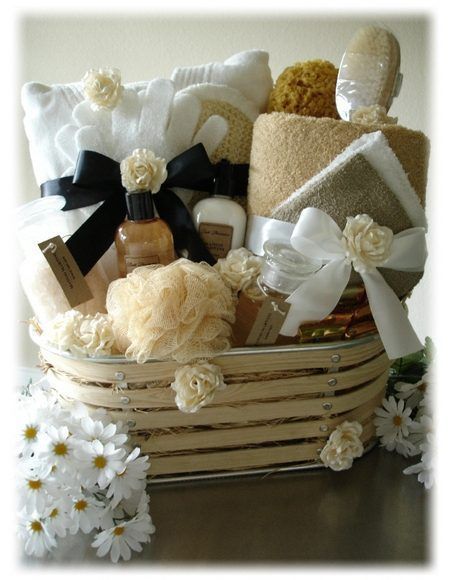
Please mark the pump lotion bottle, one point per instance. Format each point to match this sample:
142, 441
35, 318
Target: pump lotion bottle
220, 221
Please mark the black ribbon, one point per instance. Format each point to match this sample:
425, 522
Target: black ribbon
97, 178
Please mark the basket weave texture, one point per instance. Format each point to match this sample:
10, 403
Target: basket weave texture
278, 409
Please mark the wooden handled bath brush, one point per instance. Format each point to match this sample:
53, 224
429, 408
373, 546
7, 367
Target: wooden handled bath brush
369, 72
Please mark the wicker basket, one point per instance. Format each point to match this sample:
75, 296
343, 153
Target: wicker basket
279, 407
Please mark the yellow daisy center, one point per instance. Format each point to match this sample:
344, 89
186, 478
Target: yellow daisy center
397, 420
60, 449
100, 461
30, 432
54, 512
118, 531
80, 505
34, 484
36, 526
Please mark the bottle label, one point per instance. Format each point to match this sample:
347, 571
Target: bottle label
217, 238
133, 262
268, 322
66, 270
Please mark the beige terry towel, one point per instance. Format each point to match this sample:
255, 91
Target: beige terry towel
288, 150
354, 188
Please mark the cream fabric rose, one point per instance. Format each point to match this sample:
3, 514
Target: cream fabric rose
373, 115
239, 269
195, 386
62, 329
143, 171
367, 244
102, 88
343, 446
81, 335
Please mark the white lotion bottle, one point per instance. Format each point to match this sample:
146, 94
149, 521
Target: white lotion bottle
220, 221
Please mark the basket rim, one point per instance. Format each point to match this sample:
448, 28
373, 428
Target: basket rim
262, 350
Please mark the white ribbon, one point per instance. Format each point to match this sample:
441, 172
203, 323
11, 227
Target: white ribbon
317, 236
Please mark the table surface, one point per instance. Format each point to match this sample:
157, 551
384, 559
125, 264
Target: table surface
369, 514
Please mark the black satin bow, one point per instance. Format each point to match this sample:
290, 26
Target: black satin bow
97, 178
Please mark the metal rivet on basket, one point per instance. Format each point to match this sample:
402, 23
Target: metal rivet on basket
324, 428
335, 358
327, 406
119, 376
332, 382
125, 400
131, 423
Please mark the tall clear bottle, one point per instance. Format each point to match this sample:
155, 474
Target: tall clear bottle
143, 238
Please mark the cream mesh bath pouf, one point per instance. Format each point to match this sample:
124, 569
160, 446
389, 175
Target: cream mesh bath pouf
182, 311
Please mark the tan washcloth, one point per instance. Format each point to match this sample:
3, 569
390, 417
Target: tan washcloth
288, 150
356, 188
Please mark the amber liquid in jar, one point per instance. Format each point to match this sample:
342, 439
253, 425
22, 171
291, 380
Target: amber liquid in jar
143, 242
142, 239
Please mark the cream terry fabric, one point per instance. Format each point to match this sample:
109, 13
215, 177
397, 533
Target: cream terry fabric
247, 71
59, 122
353, 188
366, 177
288, 150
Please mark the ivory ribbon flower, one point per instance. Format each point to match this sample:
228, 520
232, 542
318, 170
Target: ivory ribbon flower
195, 386
239, 269
343, 446
364, 246
102, 88
143, 171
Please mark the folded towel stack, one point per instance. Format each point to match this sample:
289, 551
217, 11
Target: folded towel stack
297, 162
288, 150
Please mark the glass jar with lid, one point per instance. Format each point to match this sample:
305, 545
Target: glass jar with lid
262, 306
40, 220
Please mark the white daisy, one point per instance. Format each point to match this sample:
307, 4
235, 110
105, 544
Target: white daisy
85, 513
36, 486
56, 447
28, 435
94, 429
38, 539
131, 478
426, 405
425, 468
143, 506
34, 412
57, 518
392, 425
99, 463
420, 428
411, 393
79, 410
124, 537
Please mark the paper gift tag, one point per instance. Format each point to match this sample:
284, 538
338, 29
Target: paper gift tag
66, 270
268, 323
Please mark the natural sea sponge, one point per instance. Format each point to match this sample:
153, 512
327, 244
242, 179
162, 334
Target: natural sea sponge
182, 311
306, 88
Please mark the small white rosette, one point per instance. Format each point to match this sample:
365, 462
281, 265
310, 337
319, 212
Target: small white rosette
195, 386
343, 446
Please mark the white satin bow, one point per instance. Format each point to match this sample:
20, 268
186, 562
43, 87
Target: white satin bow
317, 236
